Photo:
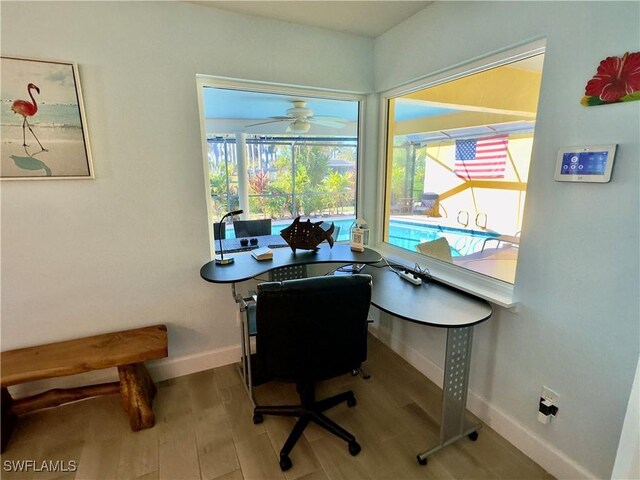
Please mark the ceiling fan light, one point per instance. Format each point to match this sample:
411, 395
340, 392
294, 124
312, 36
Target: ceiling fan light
300, 126
299, 110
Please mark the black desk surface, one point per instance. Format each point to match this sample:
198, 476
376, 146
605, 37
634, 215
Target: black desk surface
431, 303
246, 267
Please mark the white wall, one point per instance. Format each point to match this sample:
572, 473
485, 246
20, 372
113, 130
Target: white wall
125, 249
577, 330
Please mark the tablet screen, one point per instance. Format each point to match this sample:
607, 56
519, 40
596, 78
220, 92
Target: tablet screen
584, 163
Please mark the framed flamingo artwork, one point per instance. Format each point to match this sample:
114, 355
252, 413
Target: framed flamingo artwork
44, 133
617, 79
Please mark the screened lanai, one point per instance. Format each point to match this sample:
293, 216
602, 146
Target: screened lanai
281, 154
457, 164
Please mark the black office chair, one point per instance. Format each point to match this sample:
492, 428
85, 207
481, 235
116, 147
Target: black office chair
252, 228
303, 338
249, 329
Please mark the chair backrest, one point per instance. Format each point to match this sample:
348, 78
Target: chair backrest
438, 248
290, 272
312, 328
216, 229
252, 228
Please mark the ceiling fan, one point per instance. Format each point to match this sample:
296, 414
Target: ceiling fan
300, 119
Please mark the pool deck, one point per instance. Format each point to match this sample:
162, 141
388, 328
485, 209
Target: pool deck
499, 263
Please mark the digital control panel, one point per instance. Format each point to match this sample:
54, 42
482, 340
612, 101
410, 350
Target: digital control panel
585, 164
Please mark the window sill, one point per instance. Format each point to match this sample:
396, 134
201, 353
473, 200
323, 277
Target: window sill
494, 291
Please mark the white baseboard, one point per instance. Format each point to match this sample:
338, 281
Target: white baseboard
537, 449
177, 367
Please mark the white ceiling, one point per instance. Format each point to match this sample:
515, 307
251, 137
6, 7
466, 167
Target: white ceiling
365, 18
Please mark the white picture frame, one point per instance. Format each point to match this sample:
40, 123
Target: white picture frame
44, 131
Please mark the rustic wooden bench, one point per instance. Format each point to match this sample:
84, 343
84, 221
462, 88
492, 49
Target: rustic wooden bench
126, 350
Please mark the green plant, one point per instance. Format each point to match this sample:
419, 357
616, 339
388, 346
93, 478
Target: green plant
340, 188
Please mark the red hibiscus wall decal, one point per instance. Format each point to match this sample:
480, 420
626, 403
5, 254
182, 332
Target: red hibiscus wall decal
616, 80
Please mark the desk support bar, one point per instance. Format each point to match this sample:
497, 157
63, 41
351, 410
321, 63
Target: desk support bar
245, 361
454, 390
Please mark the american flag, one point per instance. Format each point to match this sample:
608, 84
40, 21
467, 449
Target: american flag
481, 159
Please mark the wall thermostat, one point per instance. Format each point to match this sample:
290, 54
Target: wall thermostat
585, 164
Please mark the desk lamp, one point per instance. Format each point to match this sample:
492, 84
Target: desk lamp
221, 260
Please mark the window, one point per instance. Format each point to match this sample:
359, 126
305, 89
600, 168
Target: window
280, 153
457, 164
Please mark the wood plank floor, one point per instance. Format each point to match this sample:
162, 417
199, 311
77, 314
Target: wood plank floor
204, 430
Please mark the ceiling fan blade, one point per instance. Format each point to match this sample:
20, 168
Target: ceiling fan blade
330, 118
277, 119
326, 123
300, 119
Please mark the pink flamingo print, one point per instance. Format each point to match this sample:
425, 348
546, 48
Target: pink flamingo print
27, 109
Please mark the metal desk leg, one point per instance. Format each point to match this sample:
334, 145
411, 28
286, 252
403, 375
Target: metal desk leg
454, 426
245, 361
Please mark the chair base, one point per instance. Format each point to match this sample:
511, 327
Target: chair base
309, 411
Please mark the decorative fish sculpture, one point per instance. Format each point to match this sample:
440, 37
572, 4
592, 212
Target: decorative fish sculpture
307, 235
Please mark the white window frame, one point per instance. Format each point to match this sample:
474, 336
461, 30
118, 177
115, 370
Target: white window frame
489, 288
282, 89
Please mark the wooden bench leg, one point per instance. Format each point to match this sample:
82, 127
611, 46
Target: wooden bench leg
137, 391
8, 419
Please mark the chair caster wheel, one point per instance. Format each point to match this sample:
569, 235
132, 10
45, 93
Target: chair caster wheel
355, 372
352, 402
354, 448
285, 463
257, 418
421, 461
473, 436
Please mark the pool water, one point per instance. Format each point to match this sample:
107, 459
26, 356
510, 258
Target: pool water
463, 242
409, 234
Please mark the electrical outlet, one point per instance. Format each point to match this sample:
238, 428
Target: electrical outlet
550, 395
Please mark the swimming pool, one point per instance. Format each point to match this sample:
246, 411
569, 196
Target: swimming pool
407, 235
463, 242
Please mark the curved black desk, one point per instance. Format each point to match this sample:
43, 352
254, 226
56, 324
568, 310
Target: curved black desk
246, 267
431, 303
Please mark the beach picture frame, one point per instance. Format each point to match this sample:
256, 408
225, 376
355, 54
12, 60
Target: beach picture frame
43, 124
